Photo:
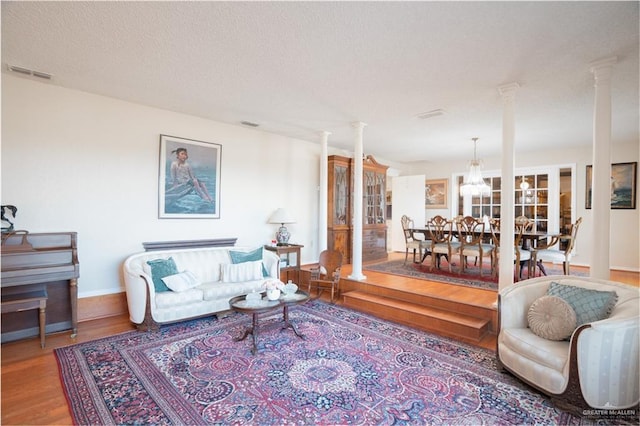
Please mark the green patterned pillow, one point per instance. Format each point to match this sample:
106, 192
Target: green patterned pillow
248, 256
161, 268
590, 305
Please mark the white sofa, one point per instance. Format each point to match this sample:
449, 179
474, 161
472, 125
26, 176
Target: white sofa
149, 308
597, 367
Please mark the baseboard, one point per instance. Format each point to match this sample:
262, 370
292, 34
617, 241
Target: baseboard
108, 305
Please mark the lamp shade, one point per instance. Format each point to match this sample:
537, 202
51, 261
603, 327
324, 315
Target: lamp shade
281, 216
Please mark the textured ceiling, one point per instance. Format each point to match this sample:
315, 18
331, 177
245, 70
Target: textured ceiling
299, 68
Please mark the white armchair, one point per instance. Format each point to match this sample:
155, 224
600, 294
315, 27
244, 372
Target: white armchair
597, 368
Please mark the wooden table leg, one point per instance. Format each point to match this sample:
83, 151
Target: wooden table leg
253, 330
289, 324
73, 295
43, 321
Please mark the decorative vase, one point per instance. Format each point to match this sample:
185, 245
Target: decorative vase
273, 294
290, 288
282, 236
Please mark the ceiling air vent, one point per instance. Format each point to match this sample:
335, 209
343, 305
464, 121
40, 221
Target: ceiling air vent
27, 71
41, 75
429, 114
19, 69
248, 123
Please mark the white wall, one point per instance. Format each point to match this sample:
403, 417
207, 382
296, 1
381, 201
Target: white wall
407, 199
73, 161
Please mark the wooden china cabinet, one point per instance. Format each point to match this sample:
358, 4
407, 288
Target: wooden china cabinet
340, 208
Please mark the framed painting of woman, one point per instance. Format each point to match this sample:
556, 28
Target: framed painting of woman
189, 178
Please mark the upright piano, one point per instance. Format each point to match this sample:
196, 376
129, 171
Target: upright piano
31, 261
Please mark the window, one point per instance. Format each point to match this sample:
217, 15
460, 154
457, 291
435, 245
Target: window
537, 195
531, 199
485, 205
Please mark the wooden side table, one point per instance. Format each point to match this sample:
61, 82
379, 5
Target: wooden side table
289, 261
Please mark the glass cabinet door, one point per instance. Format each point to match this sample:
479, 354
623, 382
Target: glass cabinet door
341, 195
380, 197
374, 197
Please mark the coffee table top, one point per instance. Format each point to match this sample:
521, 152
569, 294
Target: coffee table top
240, 303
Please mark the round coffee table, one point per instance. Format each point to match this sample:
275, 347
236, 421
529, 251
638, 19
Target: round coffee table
263, 305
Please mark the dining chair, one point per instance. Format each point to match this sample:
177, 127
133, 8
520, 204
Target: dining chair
472, 242
327, 274
410, 240
521, 255
442, 244
545, 253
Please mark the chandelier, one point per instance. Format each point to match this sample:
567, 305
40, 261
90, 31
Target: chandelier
473, 183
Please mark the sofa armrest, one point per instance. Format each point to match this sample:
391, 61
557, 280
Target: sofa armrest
608, 363
138, 285
514, 302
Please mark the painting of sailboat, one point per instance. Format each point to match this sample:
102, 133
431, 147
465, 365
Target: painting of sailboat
623, 185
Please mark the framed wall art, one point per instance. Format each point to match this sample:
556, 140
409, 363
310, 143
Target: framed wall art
623, 185
435, 193
189, 181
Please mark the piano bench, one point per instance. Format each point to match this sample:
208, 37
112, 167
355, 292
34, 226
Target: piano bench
35, 299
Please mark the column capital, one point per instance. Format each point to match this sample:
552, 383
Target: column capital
358, 124
325, 133
600, 64
508, 90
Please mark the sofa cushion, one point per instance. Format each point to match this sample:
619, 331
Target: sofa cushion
552, 318
550, 353
181, 281
171, 299
248, 256
219, 290
245, 271
161, 268
589, 305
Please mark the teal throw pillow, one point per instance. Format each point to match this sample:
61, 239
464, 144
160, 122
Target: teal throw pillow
589, 305
248, 256
161, 268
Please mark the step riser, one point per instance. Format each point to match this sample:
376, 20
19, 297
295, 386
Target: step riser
426, 300
414, 319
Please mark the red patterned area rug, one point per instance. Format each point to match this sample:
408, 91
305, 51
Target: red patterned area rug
350, 368
471, 277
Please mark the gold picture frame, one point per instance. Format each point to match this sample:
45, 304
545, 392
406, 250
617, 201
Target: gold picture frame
435, 193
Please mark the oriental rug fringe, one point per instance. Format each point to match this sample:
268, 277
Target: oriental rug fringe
350, 368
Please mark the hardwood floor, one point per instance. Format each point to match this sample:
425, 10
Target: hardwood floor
31, 390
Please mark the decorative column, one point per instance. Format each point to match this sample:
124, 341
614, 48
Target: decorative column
507, 219
601, 176
324, 190
356, 254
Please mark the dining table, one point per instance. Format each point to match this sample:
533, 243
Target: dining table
529, 239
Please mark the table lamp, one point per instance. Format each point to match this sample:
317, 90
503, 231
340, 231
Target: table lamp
282, 216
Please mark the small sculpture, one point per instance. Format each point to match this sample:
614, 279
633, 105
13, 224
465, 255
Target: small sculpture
7, 225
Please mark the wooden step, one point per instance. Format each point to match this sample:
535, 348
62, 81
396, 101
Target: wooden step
444, 322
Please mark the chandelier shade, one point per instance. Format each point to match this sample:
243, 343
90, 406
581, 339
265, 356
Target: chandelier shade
473, 183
